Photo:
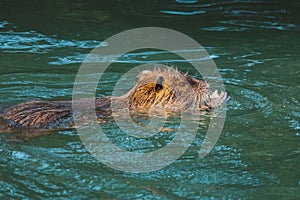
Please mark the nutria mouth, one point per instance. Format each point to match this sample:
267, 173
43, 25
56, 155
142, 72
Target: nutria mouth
167, 88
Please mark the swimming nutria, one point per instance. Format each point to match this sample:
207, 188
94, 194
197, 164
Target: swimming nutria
166, 87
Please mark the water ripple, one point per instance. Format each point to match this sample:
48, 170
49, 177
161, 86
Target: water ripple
234, 15
3, 24
22, 86
182, 12
246, 24
186, 1
34, 42
246, 101
133, 58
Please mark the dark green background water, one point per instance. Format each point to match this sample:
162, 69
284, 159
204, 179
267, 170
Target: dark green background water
255, 45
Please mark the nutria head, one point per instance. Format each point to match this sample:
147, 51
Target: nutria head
172, 90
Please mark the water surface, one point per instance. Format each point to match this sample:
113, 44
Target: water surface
255, 45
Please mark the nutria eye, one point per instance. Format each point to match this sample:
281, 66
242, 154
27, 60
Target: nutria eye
159, 83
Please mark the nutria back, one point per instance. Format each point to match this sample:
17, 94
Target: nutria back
45, 115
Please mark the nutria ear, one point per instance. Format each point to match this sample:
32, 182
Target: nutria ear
159, 83
143, 74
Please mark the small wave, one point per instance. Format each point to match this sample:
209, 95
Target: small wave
245, 101
234, 15
182, 12
27, 86
259, 24
186, 1
34, 42
243, 25
133, 58
3, 24
223, 28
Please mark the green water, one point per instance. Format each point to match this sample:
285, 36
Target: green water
255, 45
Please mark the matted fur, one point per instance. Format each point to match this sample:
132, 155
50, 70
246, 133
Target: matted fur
178, 92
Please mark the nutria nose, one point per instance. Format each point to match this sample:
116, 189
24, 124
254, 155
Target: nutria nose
159, 83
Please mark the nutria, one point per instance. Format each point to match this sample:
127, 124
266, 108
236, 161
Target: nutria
167, 88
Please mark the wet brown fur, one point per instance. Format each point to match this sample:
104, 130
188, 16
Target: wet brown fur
179, 92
